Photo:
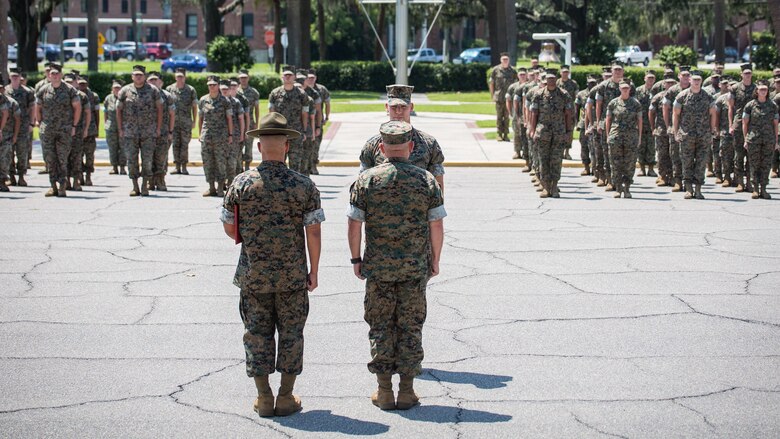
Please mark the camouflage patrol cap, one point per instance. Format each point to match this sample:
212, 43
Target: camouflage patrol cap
395, 132
650, 72
139, 69
55, 67
399, 94
522, 70
273, 124
181, 71
592, 79
69, 77
696, 74
154, 75
234, 80
670, 66
75, 72
669, 76
551, 73
212, 79
762, 83
617, 64
311, 73
684, 69
224, 83
624, 84
565, 68
715, 74
504, 54
117, 83
83, 79
606, 69
777, 78
288, 70
243, 73
747, 67
14, 71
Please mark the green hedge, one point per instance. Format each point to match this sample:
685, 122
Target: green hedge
100, 83
637, 74
374, 76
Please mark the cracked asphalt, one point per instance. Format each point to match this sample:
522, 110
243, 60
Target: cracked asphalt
583, 316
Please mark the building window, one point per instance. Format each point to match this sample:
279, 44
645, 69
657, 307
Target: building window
143, 6
82, 32
83, 5
166, 9
105, 5
152, 34
65, 32
247, 25
192, 26
130, 33
124, 6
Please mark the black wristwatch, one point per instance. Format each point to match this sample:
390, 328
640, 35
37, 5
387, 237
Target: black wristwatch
356, 260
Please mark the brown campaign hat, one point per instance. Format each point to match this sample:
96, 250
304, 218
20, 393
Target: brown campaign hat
273, 124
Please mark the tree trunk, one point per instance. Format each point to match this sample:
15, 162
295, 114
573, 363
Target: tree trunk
278, 48
134, 24
212, 20
321, 31
92, 35
3, 37
294, 33
511, 31
774, 11
27, 46
496, 28
27, 27
381, 31
720, 30
305, 26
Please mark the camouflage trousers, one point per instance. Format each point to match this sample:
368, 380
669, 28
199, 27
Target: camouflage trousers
646, 151
234, 156
90, 145
550, 147
622, 157
516, 129
602, 164
144, 146
502, 118
726, 149
21, 149
182, 133
585, 147
315, 153
694, 150
741, 157
56, 149
532, 157
524, 144
160, 156
6, 155
760, 156
214, 154
713, 157
264, 315
248, 147
298, 156
75, 158
674, 153
116, 154
664, 156
395, 313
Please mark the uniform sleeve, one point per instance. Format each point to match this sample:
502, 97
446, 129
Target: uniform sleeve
17, 110
74, 96
157, 96
200, 107
436, 166
534, 102
305, 101
38, 97
678, 103
122, 96
271, 102
569, 102
357, 202
610, 107
4, 103
436, 209
313, 213
367, 155
746, 111
232, 199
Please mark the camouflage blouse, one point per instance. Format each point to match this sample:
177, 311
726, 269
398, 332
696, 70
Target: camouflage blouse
426, 154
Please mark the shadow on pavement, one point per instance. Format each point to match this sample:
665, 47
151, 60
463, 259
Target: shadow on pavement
326, 421
443, 414
478, 380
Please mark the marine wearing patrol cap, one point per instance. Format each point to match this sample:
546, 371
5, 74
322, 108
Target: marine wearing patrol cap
551, 73
696, 74
669, 76
224, 83
395, 132
399, 94
685, 69
55, 67
288, 70
212, 79
243, 72
565, 68
181, 71
83, 80
747, 67
139, 69
154, 75
592, 79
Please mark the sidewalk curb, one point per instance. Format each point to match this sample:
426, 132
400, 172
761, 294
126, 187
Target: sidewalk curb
356, 164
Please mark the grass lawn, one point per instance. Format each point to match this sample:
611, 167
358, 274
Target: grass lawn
354, 95
124, 66
471, 96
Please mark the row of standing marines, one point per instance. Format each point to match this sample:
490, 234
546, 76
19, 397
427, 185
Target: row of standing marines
144, 120
715, 127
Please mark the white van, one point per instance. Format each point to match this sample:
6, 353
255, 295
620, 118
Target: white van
75, 48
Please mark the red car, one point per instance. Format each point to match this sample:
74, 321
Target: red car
157, 51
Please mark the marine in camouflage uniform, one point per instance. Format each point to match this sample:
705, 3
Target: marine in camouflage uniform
533, 145
551, 122
90, 142
139, 116
21, 148
293, 104
427, 153
717, 71
324, 116
252, 97
163, 143
572, 88
402, 208
774, 96
714, 166
12, 116
314, 102
674, 144
275, 205
646, 152
216, 136
501, 77
760, 117
522, 108
241, 166
59, 111
741, 93
624, 129
234, 150
116, 154
186, 113
695, 122
605, 92
585, 113
511, 103
660, 132
725, 160
76, 156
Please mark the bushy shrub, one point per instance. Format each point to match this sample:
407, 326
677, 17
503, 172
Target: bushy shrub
374, 76
766, 56
597, 51
229, 53
680, 55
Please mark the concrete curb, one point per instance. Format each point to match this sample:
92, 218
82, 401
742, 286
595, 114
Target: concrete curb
356, 164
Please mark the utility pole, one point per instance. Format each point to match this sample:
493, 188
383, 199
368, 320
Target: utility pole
134, 24
92, 35
401, 41
720, 30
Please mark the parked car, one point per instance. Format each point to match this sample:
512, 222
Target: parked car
633, 55
475, 54
128, 50
424, 55
157, 51
730, 53
50, 51
13, 51
111, 52
746, 53
75, 48
190, 61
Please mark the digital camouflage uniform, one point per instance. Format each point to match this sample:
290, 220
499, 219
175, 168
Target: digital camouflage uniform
661, 138
325, 96
724, 162
502, 78
509, 98
76, 156
275, 204
90, 142
694, 133
182, 123
551, 134
160, 163
646, 152
252, 97
139, 127
291, 104
674, 144
760, 138
55, 127
623, 138
525, 101
116, 154
605, 92
240, 146
426, 154
533, 145
7, 135
522, 136
26, 100
396, 201
580, 100
214, 136
572, 88
740, 95
315, 99
775, 97
236, 149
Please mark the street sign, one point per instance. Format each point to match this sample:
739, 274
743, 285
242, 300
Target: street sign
269, 38
111, 36
284, 38
101, 41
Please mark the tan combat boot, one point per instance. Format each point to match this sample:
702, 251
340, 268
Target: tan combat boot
76, 185
176, 171
642, 171
184, 169
136, 190
406, 397
221, 189
726, 182
52, 191
618, 191
516, 156
566, 155
555, 192
383, 397
526, 169
11, 180
610, 186
211, 191
697, 194
88, 180
585, 171
145, 187
755, 189
264, 404
651, 172
161, 183
750, 187
678, 186
122, 170
62, 190
688, 191
544, 192
709, 170
3, 186
660, 182
286, 402
764, 194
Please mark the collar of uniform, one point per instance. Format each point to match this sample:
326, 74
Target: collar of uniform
267, 163
397, 159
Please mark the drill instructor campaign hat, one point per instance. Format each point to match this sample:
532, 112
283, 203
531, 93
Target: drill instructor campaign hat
273, 124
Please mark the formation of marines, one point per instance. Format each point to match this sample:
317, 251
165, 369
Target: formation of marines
690, 128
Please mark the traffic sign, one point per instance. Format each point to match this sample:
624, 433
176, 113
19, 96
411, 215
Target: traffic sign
284, 38
111, 35
269, 38
101, 40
